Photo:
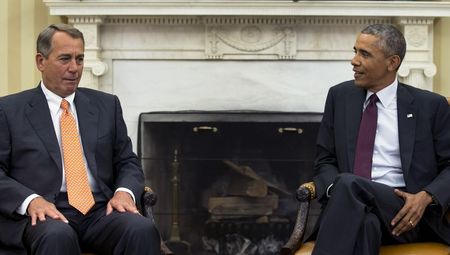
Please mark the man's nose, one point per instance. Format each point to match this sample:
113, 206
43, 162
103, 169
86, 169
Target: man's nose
73, 66
355, 61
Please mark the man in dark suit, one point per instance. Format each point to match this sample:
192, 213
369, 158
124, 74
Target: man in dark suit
37, 212
406, 195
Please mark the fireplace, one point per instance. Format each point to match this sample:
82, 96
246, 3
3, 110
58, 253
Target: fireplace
226, 179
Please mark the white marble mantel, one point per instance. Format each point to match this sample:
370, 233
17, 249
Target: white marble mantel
237, 54
248, 8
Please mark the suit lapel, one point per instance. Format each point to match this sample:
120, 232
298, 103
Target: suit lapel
87, 114
40, 119
407, 115
353, 109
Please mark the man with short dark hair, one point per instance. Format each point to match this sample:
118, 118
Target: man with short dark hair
68, 176
382, 169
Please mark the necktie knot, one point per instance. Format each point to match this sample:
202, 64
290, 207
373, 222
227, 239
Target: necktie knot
64, 105
373, 99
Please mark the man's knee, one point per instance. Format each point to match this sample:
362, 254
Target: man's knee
51, 235
142, 227
347, 184
140, 234
351, 180
344, 180
52, 229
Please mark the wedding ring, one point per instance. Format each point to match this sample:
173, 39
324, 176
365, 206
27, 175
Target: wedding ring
411, 223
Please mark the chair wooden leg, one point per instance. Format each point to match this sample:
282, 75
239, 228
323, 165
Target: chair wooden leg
165, 250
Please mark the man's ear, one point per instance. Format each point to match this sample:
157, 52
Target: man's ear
394, 63
40, 61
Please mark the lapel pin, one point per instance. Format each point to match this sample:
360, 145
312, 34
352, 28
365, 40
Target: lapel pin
409, 115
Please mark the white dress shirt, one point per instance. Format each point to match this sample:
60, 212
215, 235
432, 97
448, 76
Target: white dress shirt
386, 163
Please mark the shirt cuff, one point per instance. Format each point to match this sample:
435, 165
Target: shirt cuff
128, 191
329, 190
22, 210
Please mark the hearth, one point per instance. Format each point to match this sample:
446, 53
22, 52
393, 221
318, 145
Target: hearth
226, 180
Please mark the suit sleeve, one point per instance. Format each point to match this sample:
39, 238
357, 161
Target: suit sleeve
12, 193
439, 187
127, 167
325, 165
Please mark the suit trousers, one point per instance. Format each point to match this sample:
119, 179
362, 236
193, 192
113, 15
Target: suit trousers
356, 219
117, 233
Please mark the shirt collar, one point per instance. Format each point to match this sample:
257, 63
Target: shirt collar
387, 94
53, 100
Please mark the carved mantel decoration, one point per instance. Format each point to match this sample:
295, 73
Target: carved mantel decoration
236, 36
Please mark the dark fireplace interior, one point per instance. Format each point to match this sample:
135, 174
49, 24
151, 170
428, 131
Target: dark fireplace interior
226, 181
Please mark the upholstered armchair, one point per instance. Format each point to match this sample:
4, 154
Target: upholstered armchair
294, 246
148, 200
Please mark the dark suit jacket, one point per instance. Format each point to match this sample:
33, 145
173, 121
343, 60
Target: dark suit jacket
30, 158
424, 138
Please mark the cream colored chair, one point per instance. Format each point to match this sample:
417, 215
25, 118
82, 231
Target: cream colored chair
295, 246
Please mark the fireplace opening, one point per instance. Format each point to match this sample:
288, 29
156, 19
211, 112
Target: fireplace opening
226, 181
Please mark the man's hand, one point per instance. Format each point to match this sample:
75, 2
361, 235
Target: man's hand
122, 202
39, 208
412, 211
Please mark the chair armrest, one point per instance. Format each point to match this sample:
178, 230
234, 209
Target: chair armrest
305, 193
148, 200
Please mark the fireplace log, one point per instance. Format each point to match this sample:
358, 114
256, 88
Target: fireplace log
245, 186
249, 172
238, 207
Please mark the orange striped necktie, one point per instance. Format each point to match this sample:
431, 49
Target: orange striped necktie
78, 189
